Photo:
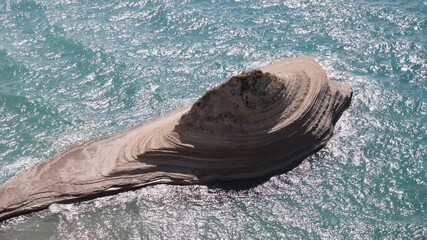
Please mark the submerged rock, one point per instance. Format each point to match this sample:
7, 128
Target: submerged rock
259, 123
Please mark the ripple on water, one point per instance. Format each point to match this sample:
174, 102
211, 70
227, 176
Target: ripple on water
72, 71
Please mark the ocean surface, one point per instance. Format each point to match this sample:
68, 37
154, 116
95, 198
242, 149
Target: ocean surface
71, 71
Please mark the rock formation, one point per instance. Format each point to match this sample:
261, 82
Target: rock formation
258, 123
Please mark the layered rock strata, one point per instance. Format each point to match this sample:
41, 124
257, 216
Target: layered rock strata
256, 124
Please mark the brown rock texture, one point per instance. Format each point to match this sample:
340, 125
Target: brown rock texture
259, 123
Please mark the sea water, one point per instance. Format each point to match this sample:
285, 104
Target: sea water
75, 70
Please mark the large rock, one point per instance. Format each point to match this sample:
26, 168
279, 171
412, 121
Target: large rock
256, 124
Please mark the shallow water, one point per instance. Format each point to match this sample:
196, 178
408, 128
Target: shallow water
71, 71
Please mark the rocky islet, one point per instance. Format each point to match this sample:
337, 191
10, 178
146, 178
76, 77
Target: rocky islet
259, 123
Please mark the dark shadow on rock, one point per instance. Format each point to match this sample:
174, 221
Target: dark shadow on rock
238, 185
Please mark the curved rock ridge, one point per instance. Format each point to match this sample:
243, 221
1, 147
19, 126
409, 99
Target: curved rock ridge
258, 123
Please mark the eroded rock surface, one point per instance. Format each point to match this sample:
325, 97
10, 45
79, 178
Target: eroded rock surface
258, 123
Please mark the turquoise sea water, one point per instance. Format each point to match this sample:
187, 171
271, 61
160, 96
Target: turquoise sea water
75, 70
